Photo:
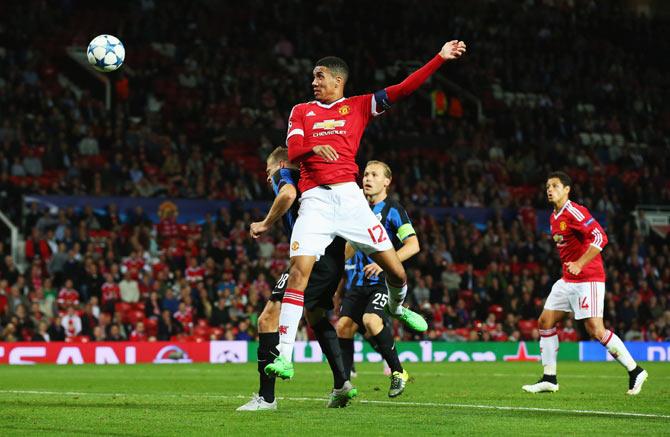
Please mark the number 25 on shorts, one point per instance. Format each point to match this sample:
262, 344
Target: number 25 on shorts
377, 234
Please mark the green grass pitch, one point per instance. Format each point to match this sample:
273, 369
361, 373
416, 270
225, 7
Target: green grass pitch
444, 399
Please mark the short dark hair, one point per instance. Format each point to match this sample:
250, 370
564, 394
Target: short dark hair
562, 176
335, 65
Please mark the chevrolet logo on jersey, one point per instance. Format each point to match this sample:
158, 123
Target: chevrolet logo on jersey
329, 124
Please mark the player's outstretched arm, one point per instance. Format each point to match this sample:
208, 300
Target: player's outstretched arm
450, 51
282, 203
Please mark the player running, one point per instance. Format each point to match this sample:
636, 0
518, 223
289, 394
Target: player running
579, 239
318, 296
363, 304
323, 137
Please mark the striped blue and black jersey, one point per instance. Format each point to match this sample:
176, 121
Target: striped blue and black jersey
398, 227
280, 178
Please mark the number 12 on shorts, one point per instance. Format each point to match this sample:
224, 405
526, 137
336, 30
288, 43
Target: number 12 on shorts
377, 234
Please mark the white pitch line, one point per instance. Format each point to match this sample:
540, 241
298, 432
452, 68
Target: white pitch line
363, 401
447, 373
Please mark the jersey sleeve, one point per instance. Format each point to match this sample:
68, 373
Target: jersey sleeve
280, 178
297, 148
295, 123
585, 224
365, 106
400, 222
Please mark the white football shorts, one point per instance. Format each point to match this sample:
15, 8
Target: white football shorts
340, 210
585, 299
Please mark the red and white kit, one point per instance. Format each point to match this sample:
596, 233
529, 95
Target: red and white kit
574, 230
328, 210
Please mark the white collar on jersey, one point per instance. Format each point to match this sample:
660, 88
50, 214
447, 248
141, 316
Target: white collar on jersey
330, 105
562, 209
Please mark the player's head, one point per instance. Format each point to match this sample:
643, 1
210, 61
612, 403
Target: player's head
330, 77
376, 178
277, 159
558, 187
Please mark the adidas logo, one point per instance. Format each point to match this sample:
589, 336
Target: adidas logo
311, 114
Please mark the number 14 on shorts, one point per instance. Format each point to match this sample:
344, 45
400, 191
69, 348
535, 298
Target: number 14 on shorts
377, 234
583, 304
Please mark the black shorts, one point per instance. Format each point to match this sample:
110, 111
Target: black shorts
370, 299
323, 281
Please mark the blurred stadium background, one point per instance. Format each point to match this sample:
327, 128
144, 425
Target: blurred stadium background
125, 201
125, 198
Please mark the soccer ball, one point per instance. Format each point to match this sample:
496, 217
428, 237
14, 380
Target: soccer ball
106, 53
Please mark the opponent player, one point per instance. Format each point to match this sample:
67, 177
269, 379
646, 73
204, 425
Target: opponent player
363, 304
579, 239
318, 296
324, 136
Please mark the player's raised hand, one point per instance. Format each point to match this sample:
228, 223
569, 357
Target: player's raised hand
326, 152
452, 50
371, 270
257, 229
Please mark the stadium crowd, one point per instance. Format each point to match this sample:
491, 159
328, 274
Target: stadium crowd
201, 110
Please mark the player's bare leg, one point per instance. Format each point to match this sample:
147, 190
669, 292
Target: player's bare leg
396, 282
291, 312
383, 338
268, 322
548, 350
636, 374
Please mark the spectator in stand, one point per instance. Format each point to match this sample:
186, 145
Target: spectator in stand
42, 333
98, 334
168, 327
138, 334
56, 330
111, 293
115, 333
88, 321
170, 302
194, 273
152, 306
67, 297
184, 316
243, 333
71, 322
9, 333
220, 313
420, 292
129, 288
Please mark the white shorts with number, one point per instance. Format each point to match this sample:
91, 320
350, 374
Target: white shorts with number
340, 210
585, 299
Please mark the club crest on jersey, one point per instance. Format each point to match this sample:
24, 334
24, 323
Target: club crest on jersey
295, 246
344, 110
329, 124
563, 226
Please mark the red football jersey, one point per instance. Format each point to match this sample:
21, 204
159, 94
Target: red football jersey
339, 124
574, 230
67, 297
195, 274
110, 292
